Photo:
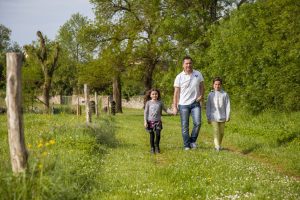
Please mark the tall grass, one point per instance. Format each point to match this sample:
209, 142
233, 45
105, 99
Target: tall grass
64, 156
271, 135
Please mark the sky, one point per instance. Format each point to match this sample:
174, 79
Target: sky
25, 17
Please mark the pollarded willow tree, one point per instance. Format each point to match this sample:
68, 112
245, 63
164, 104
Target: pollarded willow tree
46, 54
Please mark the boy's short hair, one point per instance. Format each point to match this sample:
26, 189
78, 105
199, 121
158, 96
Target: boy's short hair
217, 79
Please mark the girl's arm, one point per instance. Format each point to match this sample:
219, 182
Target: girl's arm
165, 109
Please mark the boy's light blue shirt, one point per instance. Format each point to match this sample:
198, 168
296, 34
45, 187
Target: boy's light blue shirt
218, 106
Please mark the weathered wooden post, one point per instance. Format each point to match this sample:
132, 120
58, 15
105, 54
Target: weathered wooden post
96, 104
87, 104
78, 107
16, 139
108, 109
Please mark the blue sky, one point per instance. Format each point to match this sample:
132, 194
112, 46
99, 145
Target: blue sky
25, 17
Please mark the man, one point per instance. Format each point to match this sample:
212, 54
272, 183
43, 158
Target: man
188, 92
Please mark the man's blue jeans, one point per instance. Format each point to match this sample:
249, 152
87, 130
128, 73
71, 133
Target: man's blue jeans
185, 111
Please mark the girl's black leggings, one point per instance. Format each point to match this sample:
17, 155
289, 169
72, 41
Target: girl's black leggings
154, 135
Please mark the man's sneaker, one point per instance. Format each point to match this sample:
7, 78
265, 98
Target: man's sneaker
187, 148
193, 145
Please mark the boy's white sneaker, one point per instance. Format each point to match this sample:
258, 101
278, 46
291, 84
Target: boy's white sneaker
187, 148
218, 148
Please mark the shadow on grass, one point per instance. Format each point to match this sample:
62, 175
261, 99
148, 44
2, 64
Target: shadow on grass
287, 139
251, 148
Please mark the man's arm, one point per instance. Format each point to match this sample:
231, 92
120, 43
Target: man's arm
175, 100
202, 90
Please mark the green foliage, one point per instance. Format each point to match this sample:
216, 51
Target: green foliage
5, 46
65, 79
256, 51
96, 74
32, 80
71, 39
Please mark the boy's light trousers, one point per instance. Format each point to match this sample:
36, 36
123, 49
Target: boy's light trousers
218, 133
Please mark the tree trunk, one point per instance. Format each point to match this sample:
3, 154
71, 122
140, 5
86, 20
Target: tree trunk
16, 139
213, 10
46, 94
96, 105
148, 80
117, 95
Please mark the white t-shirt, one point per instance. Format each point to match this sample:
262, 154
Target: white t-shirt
189, 85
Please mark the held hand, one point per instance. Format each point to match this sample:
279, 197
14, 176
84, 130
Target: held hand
200, 99
145, 124
175, 110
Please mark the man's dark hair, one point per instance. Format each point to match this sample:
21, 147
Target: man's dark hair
187, 58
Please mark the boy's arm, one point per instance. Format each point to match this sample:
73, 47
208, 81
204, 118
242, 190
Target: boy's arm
227, 108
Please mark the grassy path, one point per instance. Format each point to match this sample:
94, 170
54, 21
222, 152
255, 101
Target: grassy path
128, 171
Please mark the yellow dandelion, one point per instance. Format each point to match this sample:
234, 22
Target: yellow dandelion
52, 141
29, 146
40, 166
47, 144
40, 145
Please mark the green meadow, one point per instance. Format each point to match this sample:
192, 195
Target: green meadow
110, 159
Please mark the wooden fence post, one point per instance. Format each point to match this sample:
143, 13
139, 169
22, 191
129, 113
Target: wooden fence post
96, 104
108, 109
87, 104
78, 110
16, 139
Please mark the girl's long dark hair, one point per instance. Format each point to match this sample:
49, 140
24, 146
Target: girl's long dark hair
147, 96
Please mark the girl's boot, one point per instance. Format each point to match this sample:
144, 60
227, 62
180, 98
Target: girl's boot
152, 150
157, 149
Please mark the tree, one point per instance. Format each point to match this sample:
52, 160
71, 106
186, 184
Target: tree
255, 52
72, 43
133, 22
46, 55
4, 45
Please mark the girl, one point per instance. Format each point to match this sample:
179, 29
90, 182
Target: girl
217, 111
152, 117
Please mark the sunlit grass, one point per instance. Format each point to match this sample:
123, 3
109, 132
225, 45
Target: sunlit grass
110, 159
